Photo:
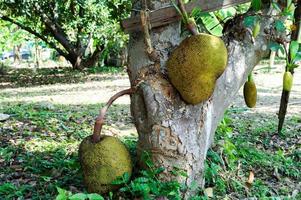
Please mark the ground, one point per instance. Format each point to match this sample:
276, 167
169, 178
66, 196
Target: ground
53, 110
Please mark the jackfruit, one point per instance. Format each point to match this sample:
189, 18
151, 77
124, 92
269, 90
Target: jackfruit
103, 162
250, 93
287, 81
194, 66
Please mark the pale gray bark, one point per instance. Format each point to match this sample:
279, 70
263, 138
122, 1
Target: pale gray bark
178, 134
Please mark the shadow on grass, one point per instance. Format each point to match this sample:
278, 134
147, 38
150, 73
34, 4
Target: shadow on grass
38, 147
36, 174
24, 77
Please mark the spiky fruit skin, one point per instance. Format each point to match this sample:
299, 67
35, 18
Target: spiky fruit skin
287, 81
194, 66
250, 94
103, 162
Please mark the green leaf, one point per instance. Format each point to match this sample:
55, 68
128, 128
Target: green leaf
279, 25
126, 177
276, 6
63, 194
141, 180
212, 24
249, 21
78, 196
61, 197
95, 196
60, 190
297, 57
256, 4
274, 46
294, 47
225, 13
118, 181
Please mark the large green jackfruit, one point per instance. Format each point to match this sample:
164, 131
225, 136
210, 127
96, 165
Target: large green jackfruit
194, 66
250, 93
103, 162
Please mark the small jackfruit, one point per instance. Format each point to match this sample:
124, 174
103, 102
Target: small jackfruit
287, 81
194, 66
103, 162
250, 93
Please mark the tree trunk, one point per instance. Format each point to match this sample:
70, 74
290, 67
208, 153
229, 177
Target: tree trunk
175, 133
79, 62
17, 54
37, 56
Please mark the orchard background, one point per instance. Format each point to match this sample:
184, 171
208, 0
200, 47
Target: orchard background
53, 81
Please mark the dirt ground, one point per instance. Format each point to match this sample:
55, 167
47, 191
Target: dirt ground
99, 90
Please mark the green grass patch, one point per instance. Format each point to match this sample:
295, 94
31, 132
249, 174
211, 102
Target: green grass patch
38, 151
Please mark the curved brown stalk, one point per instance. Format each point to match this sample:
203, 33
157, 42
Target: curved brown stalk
100, 118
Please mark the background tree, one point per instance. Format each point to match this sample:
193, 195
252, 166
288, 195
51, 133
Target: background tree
12, 38
71, 27
178, 134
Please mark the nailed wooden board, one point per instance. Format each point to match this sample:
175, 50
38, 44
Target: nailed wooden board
168, 15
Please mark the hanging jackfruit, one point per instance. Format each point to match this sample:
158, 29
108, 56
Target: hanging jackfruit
250, 93
194, 66
287, 81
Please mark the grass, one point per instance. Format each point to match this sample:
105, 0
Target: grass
39, 153
39, 143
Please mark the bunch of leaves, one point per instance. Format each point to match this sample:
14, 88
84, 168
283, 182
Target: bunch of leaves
11, 35
148, 184
67, 195
214, 21
75, 20
266, 156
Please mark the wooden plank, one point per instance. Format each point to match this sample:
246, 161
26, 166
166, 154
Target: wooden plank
169, 14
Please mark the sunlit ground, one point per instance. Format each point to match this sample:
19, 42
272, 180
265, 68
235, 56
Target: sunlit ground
101, 87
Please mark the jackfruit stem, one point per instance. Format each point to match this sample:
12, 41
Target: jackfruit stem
183, 11
192, 27
190, 24
250, 77
100, 118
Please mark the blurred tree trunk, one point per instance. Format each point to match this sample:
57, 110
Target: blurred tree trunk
37, 55
17, 54
175, 133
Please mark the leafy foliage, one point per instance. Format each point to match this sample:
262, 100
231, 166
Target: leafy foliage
70, 26
11, 36
214, 21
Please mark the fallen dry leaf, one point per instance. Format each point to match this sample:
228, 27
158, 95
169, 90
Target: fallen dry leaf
209, 192
250, 180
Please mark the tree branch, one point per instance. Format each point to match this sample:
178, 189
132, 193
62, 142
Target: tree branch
56, 30
38, 35
95, 56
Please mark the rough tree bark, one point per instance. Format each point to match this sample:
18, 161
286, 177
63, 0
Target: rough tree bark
175, 133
